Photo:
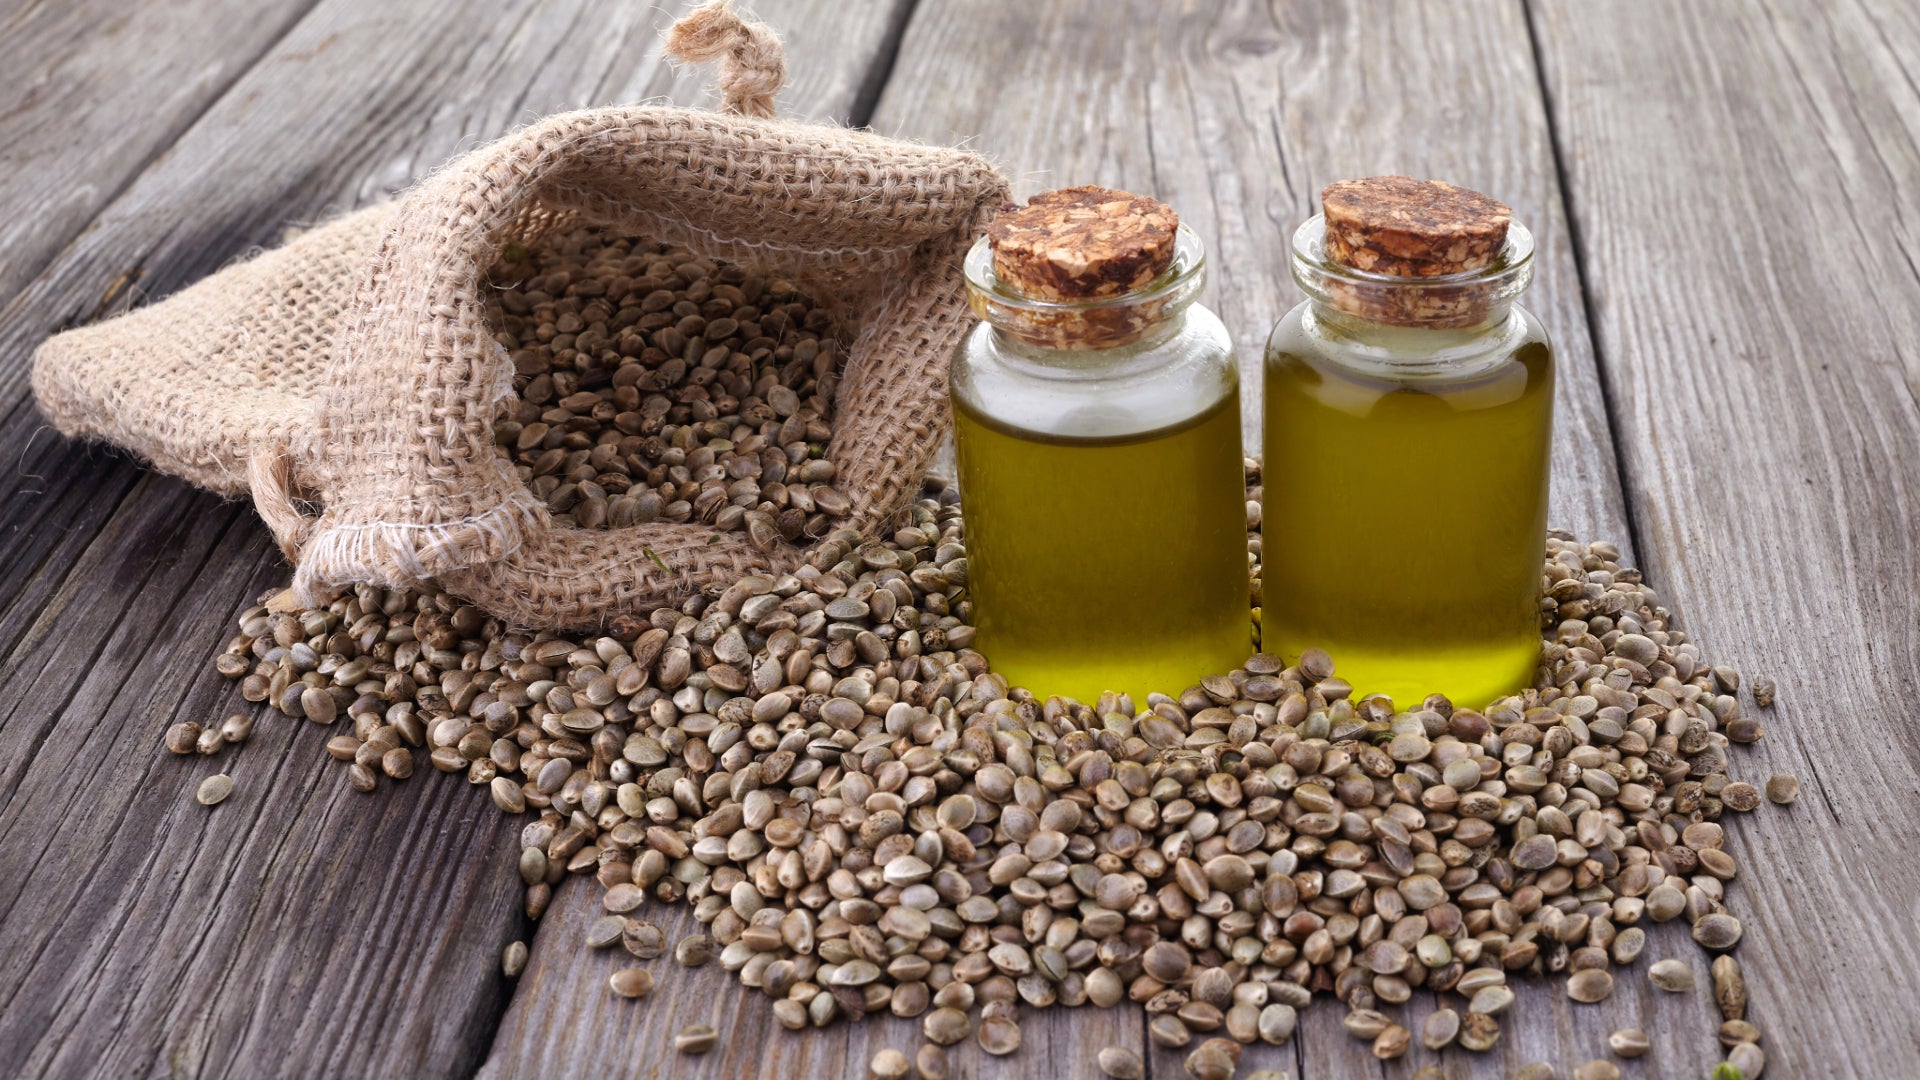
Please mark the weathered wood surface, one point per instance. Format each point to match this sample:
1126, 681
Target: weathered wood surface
296, 928
1740, 181
146, 935
1743, 179
95, 90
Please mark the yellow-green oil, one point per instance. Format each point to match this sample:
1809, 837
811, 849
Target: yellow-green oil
1404, 518
1101, 564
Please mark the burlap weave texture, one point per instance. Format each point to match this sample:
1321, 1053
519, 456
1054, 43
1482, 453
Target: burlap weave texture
348, 382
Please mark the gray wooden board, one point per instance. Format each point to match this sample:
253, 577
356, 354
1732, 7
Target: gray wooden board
94, 90
293, 923
1743, 178
319, 931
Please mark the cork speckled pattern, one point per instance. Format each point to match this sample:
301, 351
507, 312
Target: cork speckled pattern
1401, 226
1082, 243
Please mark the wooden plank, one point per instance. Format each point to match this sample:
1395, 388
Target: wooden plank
40, 546
99, 88
297, 928
1743, 177
149, 933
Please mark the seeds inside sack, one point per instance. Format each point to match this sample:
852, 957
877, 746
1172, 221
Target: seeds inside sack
655, 385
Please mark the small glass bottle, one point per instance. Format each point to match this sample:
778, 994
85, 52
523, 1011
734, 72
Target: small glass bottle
1409, 416
1097, 426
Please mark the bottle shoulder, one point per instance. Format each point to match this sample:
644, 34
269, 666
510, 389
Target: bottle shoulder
1106, 393
1411, 355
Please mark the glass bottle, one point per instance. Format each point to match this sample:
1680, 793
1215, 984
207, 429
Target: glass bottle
1407, 445
1102, 482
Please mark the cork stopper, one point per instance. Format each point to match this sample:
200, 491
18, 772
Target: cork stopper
1403, 227
1082, 243
1411, 229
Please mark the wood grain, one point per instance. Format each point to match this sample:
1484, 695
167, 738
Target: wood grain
1744, 178
149, 934
97, 89
297, 928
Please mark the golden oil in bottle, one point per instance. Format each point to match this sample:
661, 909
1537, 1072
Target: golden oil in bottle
1107, 563
1407, 445
1403, 526
1097, 431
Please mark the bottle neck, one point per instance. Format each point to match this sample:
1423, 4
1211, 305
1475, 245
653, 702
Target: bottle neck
1413, 349
1109, 351
1351, 301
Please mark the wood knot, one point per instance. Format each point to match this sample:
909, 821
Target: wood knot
753, 63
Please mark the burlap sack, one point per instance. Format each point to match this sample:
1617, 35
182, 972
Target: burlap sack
349, 383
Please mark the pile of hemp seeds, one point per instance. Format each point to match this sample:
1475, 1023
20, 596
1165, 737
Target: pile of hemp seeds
654, 385
866, 818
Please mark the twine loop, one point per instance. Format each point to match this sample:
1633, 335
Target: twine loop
753, 63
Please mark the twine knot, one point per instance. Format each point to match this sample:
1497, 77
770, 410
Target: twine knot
753, 63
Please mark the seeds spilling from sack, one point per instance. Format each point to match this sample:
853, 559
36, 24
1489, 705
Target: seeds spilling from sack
868, 819
655, 385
